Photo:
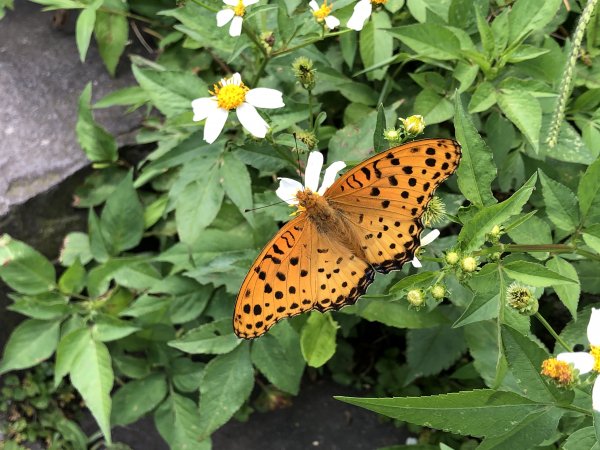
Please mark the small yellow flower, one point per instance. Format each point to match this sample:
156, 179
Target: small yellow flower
413, 125
323, 14
595, 352
560, 371
234, 13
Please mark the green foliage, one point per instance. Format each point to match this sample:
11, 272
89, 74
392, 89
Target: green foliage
138, 316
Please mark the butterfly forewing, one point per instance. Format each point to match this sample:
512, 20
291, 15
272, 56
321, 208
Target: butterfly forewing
385, 196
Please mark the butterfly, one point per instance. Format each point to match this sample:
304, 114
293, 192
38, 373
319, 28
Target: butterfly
367, 220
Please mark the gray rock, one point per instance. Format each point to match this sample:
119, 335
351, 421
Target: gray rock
41, 79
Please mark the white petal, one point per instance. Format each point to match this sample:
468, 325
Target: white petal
593, 329
231, 2
236, 26
203, 107
249, 2
416, 263
362, 11
287, 190
251, 120
429, 237
314, 5
224, 16
265, 98
330, 175
214, 124
313, 171
332, 22
596, 395
236, 78
582, 361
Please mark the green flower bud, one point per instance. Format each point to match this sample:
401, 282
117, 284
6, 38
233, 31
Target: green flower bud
452, 258
304, 72
416, 297
267, 39
468, 264
438, 291
413, 125
435, 211
308, 138
392, 135
522, 299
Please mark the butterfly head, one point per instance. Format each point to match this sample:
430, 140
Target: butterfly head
308, 200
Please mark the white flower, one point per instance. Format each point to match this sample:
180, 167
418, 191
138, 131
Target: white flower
234, 14
585, 362
425, 240
362, 11
288, 188
322, 13
231, 94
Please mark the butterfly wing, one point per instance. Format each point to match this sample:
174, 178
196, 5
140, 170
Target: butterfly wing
384, 197
298, 270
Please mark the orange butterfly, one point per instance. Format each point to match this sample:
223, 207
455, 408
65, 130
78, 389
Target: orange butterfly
366, 221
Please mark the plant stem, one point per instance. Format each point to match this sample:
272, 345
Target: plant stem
310, 110
548, 327
552, 248
308, 42
119, 12
260, 71
567, 80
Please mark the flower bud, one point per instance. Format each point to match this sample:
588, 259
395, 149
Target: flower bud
416, 298
392, 135
434, 212
452, 258
468, 264
308, 138
413, 125
522, 299
267, 39
304, 72
438, 291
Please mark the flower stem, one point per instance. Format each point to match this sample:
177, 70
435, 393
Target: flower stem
548, 327
552, 248
567, 80
283, 51
310, 110
260, 71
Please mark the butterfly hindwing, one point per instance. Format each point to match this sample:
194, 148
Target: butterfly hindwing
385, 196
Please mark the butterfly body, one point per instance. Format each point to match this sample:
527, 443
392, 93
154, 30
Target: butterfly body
368, 220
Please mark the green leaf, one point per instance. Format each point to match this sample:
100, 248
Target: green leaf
472, 235
483, 98
530, 15
560, 202
533, 231
535, 274
177, 420
111, 31
395, 314
524, 110
137, 398
317, 339
97, 143
476, 170
47, 306
525, 359
277, 355
24, 269
237, 184
211, 338
72, 281
375, 44
434, 107
589, 194
431, 350
75, 247
417, 280
30, 343
477, 413
567, 293
69, 348
108, 328
483, 306
92, 376
227, 383
582, 439
128, 96
98, 247
197, 206
84, 29
122, 220
429, 40
591, 236
379, 142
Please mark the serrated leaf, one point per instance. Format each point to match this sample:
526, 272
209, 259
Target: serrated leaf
24, 269
535, 274
97, 143
237, 184
476, 170
477, 413
429, 40
72, 281
108, 328
591, 236
211, 338
227, 383
318, 339
483, 306
524, 110
137, 398
375, 44
71, 344
84, 28
395, 314
111, 31
177, 420
379, 142
589, 194
529, 15
472, 235
582, 439
567, 293
30, 343
561, 204
431, 350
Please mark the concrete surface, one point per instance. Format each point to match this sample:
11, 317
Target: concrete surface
41, 79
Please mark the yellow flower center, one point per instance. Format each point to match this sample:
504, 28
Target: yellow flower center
595, 352
239, 9
378, 2
229, 96
322, 12
560, 371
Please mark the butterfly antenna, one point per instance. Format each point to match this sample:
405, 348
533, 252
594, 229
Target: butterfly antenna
265, 206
